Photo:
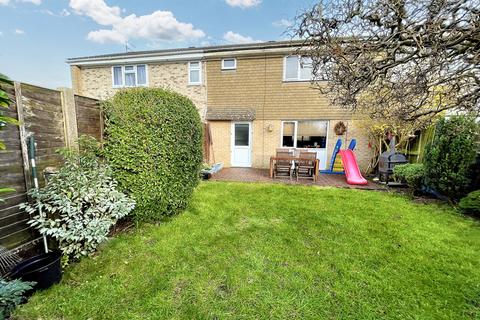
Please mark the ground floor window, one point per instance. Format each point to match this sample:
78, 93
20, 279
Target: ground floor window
304, 134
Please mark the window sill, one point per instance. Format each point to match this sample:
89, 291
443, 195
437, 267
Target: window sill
295, 81
128, 87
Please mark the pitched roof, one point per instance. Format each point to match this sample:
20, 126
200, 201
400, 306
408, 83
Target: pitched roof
232, 114
191, 50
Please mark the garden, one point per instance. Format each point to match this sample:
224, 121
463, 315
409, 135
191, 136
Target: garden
250, 251
263, 251
136, 235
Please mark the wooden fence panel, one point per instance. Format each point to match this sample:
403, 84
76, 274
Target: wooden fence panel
41, 112
13, 228
89, 117
44, 121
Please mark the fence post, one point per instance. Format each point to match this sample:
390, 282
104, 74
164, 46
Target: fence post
23, 134
69, 117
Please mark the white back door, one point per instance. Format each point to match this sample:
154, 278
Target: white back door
241, 144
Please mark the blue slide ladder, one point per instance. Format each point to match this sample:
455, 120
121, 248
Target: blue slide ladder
338, 145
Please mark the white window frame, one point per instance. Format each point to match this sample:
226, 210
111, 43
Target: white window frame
191, 83
135, 66
295, 132
295, 122
229, 68
299, 70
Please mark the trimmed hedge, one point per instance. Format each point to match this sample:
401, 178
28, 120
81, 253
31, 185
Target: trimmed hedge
471, 203
412, 173
450, 157
154, 146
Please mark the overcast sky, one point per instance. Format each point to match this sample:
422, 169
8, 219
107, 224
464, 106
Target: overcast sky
37, 36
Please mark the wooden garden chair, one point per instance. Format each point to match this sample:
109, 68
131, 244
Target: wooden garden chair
305, 169
283, 168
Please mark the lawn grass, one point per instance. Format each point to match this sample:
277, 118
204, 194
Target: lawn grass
261, 251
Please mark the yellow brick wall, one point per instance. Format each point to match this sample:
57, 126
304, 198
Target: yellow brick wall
258, 84
96, 82
266, 140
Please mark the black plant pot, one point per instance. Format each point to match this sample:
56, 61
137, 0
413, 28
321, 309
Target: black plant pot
206, 175
44, 269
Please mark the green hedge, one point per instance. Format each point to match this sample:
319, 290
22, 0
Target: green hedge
471, 203
450, 157
411, 173
154, 146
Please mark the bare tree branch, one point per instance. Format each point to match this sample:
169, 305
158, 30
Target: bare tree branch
408, 59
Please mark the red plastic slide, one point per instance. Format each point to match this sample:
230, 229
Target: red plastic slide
352, 172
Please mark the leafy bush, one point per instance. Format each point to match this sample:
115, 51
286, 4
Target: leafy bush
4, 104
450, 156
79, 204
11, 295
412, 173
154, 145
471, 203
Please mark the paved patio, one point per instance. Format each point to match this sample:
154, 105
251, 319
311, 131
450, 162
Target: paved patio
262, 175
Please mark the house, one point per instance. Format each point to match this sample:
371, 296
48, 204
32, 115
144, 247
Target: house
256, 97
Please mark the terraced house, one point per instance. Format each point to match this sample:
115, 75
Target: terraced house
256, 98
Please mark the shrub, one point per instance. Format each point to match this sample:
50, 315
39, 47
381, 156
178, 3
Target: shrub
11, 295
80, 203
154, 145
450, 156
412, 173
471, 203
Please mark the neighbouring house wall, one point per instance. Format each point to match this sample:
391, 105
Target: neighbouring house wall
96, 82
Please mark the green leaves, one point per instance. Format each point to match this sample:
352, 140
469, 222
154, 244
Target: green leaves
154, 146
5, 103
449, 158
11, 295
80, 203
412, 173
4, 99
471, 203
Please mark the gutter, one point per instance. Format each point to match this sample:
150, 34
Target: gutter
187, 54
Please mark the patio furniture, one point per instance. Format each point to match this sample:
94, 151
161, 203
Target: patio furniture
283, 166
291, 158
306, 166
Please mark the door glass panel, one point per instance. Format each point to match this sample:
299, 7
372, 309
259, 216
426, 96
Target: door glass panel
241, 134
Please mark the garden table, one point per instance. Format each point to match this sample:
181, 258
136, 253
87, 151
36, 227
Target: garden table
294, 159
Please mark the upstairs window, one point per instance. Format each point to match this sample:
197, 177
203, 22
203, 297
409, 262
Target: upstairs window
297, 68
195, 73
229, 64
129, 76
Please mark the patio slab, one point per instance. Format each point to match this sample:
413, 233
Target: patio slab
262, 175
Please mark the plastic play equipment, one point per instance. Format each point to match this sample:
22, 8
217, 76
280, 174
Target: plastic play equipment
331, 169
336, 165
352, 171
352, 145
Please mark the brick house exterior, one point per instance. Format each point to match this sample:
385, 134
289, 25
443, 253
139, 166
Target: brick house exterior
241, 87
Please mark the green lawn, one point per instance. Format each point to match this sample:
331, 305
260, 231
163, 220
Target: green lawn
261, 251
